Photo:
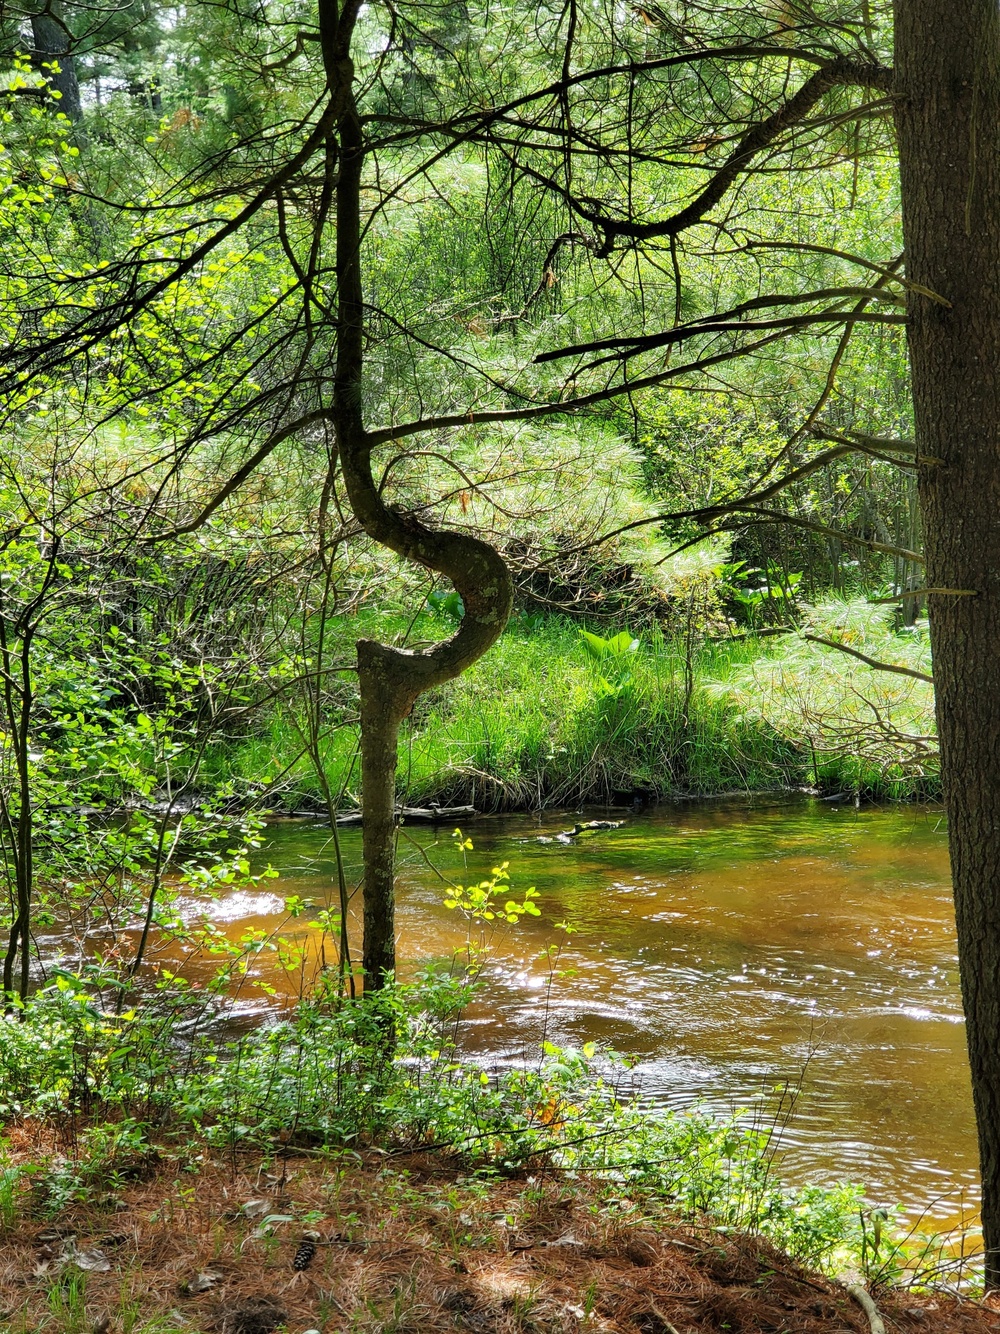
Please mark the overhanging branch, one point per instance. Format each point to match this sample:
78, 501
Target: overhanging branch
731, 321
840, 72
871, 662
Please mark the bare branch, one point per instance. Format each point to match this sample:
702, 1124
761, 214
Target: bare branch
236, 479
849, 539
730, 320
927, 593
475, 417
840, 72
887, 272
871, 662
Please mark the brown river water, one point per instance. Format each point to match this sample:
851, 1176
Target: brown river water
732, 948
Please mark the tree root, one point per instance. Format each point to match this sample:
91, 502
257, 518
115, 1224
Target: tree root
864, 1300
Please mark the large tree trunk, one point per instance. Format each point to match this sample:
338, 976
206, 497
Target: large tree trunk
52, 46
948, 122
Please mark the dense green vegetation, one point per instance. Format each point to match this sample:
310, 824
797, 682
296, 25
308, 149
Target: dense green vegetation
307, 317
320, 1077
544, 720
321, 1082
215, 666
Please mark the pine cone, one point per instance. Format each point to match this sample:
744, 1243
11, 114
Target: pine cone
304, 1256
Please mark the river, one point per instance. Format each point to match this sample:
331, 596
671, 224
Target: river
732, 947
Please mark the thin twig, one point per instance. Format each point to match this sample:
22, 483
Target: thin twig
670, 1329
929, 592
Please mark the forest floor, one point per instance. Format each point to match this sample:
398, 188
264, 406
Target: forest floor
389, 1244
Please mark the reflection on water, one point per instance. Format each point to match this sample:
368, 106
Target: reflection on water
731, 948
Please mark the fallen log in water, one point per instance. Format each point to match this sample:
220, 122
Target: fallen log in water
424, 814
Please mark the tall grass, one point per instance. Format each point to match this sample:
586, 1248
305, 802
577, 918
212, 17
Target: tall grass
538, 722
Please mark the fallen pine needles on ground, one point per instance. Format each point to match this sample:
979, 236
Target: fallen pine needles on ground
406, 1244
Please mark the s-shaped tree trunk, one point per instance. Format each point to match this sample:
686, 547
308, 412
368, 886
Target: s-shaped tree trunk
391, 679
948, 122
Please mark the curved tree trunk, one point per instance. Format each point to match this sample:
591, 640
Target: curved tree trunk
948, 121
390, 679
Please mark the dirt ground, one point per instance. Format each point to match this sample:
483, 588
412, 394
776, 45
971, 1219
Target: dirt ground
390, 1245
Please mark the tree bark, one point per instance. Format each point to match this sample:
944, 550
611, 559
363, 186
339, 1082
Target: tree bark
52, 44
391, 680
948, 125
384, 703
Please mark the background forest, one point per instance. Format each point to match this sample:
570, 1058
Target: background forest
171, 635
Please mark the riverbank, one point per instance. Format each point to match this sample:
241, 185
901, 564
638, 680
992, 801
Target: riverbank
162, 1166
147, 1130
374, 1243
729, 948
558, 715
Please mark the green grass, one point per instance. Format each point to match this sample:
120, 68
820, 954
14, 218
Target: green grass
538, 722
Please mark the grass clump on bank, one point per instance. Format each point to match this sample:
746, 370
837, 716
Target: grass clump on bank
547, 719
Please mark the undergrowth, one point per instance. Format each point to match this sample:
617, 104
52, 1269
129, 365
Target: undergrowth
121, 1090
